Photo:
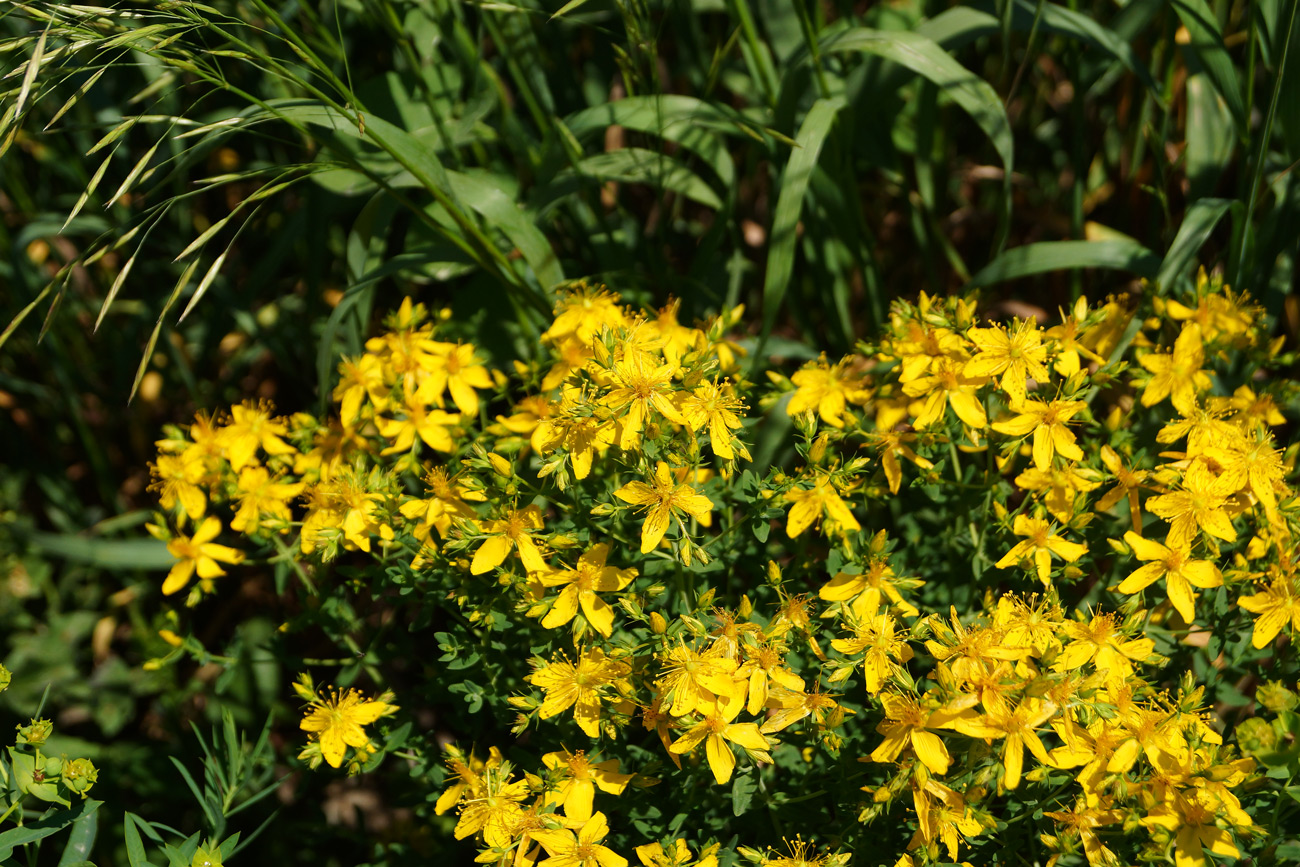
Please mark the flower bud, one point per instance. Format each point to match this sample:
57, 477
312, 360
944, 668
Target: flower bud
79, 775
1276, 697
35, 734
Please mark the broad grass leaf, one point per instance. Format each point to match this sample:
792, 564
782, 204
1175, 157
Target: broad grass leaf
1207, 45
1050, 256
794, 183
1198, 223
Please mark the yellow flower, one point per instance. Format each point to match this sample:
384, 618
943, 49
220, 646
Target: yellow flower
198, 553
1041, 545
496, 812
578, 686
908, 723
1178, 569
662, 499
942, 817
579, 778
1015, 354
467, 774
1179, 373
359, 379
765, 662
583, 313
1099, 641
511, 532
582, 849
639, 388
251, 426
1127, 484
922, 348
801, 854
177, 481
875, 639
448, 500
948, 386
452, 367
259, 494
827, 389
1017, 727
1200, 504
811, 504
1251, 408
580, 587
863, 592
714, 407
792, 705
891, 444
717, 727
431, 426
1254, 463
1062, 483
674, 338
336, 722
1190, 816
654, 855
1066, 338
1047, 421
694, 680
1276, 605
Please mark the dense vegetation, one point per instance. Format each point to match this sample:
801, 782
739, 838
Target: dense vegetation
208, 205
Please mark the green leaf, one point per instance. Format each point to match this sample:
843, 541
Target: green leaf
135, 852
742, 793
924, 57
1207, 45
633, 166
146, 554
43, 828
794, 183
81, 840
1200, 220
198, 793
961, 25
1067, 255
1210, 139
503, 212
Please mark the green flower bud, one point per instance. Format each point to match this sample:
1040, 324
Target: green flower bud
79, 775
1276, 697
5, 677
35, 734
207, 856
1256, 736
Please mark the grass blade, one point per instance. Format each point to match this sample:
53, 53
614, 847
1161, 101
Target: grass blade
1049, 256
1200, 220
794, 183
1207, 44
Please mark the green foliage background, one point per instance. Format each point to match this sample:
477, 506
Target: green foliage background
280, 171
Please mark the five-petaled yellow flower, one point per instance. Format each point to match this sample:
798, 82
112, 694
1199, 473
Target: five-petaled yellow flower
581, 584
811, 504
1177, 375
198, 553
1047, 421
717, 727
337, 722
1179, 570
1040, 546
665, 496
1014, 354
582, 849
